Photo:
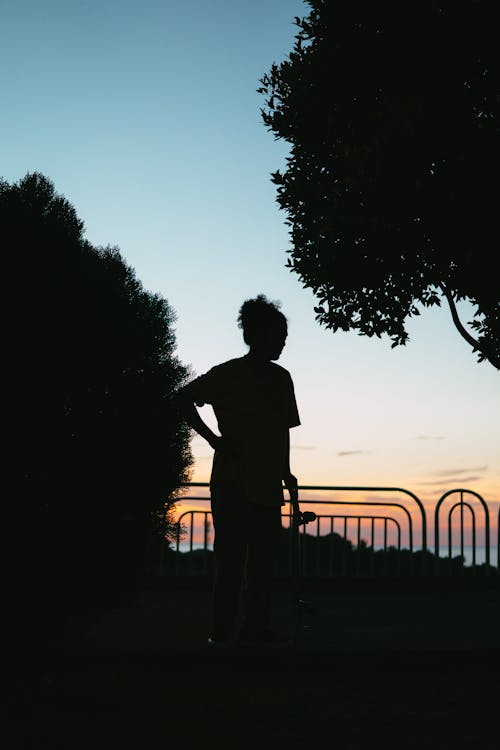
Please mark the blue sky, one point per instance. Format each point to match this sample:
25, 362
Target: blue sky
146, 117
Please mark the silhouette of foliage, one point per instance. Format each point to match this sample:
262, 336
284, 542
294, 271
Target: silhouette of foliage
327, 556
98, 447
391, 188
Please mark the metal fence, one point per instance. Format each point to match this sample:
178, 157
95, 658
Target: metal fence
374, 537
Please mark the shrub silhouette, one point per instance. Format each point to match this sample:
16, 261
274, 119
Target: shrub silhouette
97, 447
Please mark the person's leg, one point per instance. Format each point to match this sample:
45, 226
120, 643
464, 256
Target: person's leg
230, 521
262, 547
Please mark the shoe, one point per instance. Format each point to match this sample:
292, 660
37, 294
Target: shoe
264, 637
221, 639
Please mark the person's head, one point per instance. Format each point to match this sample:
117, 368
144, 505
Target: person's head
264, 327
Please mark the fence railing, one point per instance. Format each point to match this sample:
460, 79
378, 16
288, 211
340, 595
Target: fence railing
329, 550
461, 505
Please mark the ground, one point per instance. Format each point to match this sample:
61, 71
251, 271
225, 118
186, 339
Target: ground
397, 664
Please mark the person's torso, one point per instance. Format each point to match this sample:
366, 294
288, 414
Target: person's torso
252, 410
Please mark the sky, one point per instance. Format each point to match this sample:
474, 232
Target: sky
145, 115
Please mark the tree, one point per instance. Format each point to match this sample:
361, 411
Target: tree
98, 449
391, 187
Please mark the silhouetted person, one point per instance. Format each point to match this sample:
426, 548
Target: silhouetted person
254, 402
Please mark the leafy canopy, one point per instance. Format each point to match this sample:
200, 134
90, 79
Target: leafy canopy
98, 447
391, 187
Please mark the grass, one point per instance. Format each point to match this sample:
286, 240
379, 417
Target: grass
379, 663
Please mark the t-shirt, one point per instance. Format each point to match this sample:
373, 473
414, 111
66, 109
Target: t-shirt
254, 407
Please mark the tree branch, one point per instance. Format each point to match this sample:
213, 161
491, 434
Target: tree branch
460, 327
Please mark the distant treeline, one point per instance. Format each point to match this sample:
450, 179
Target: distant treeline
327, 555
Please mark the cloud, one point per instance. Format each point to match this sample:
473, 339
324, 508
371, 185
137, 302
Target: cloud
430, 437
304, 447
455, 477
455, 472
353, 453
452, 480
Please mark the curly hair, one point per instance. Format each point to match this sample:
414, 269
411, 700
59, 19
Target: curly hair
257, 315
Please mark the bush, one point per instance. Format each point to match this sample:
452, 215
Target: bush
97, 447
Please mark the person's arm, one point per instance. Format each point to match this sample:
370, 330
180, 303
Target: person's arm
192, 418
289, 480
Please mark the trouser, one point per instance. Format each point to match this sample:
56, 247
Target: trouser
245, 546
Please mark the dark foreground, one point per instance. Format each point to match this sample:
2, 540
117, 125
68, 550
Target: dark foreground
379, 664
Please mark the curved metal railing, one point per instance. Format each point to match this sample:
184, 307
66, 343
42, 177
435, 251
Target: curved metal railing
205, 526
457, 508
461, 505
361, 488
